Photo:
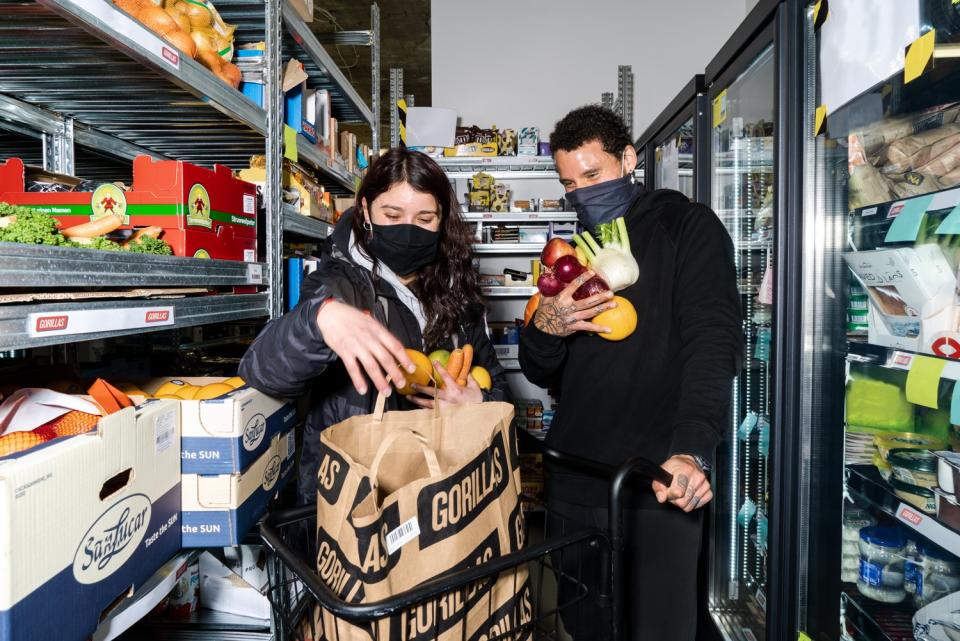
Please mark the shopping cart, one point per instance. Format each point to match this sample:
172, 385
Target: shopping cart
296, 589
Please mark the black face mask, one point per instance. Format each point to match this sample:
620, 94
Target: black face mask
405, 249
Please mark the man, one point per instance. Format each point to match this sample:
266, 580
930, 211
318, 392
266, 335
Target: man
662, 393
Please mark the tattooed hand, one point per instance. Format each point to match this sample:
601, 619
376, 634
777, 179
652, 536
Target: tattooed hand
562, 316
690, 489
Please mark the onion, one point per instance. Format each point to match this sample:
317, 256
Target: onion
592, 287
233, 73
210, 60
182, 20
203, 42
131, 7
157, 20
549, 285
182, 41
200, 16
567, 268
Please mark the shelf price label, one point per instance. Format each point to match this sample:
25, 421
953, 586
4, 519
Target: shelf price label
255, 274
928, 526
92, 321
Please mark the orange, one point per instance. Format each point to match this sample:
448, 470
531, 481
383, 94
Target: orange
622, 320
423, 376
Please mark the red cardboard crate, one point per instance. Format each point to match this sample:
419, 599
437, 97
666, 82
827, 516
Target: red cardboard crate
204, 213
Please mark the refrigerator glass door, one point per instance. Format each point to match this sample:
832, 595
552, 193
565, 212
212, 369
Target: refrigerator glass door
742, 195
674, 157
882, 204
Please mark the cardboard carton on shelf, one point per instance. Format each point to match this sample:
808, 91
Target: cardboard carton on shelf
204, 213
911, 292
87, 519
218, 510
227, 434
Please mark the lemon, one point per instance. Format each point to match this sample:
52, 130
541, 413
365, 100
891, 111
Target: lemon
170, 387
187, 392
482, 377
622, 320
213, 390
234, 382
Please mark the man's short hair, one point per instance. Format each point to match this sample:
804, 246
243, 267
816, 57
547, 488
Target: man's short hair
589, 123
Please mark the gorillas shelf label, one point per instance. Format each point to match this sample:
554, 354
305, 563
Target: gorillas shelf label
508, 620
376, 560
436, 616
341, 576
447, 507
112, 539
331, 475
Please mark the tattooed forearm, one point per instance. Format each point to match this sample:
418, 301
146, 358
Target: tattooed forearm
553, 319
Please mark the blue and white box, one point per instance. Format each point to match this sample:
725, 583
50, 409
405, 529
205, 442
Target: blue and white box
87, 519
218, 510
226, 435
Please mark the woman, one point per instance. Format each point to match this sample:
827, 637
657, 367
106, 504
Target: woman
395, 273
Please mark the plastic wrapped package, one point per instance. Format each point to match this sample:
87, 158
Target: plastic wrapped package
878, 405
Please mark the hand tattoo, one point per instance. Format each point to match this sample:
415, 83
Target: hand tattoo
695, 502
684, 483
553, 319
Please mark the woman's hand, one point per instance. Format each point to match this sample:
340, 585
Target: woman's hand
561, 315
451, 393
364, 345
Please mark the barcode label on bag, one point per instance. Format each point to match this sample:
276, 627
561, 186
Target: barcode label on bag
404, 534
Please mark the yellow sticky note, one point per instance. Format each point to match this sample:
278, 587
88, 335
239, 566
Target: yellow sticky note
923, 381
919, 56
720, 108
290, 143
821, 118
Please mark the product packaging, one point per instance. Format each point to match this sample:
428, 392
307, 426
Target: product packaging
528, 141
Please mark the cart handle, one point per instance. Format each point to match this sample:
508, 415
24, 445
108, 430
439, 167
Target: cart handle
439, 585
640, 466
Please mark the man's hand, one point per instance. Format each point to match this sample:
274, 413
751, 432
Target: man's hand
690, 489
562, 316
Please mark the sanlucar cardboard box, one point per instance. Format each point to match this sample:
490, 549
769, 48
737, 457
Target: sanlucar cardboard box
204, 213
227, 434
86, 520
218, 510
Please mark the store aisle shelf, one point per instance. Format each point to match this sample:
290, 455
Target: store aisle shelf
15, 333
508, 248
296, 223
865, 482
152, 96
508, 292
495, 218
335, 171
872, 621
303, 45
43, 266
473, 164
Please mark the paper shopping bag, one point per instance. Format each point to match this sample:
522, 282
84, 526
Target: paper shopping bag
403, 497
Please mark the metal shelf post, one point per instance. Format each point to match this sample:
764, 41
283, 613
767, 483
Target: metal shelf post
375, 76
271, 195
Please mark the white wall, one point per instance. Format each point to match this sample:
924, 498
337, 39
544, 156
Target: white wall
516, 63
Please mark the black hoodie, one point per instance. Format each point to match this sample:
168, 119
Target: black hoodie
665, 389
290, 358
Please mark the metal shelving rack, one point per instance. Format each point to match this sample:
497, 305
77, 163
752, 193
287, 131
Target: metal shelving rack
156, 102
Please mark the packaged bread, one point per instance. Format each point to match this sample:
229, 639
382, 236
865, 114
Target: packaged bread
913, 183
944, 163
867, 186
917, 150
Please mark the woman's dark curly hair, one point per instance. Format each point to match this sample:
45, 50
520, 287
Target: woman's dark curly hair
449, 287
587, 124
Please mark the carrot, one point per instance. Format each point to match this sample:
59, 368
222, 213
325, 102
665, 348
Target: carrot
467, 363
152, 232
455, 364
98, 227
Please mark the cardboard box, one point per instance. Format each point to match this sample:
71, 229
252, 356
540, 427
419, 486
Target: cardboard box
218, 510
304, 9
204, 213
227, 434
911, 293
85, 520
